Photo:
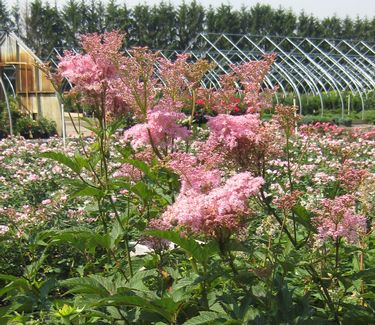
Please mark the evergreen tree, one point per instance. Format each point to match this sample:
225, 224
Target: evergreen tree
372, 30
366, 31
307, 26
244, 16
5, 20
53, 28
347, 28
183, 35
71, 15
100, 14
125, 22
112, 16
140, 33
284, 23
93, 20
34, 26
163, 26
44, 28
262, 18
210, 20
331, 27
227, 20
16, 17
84, 14
190, 22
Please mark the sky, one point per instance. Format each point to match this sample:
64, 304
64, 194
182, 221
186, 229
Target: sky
319, 8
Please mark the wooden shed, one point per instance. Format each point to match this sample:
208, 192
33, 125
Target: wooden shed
21, 75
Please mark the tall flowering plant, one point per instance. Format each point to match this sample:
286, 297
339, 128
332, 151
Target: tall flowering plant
229, 219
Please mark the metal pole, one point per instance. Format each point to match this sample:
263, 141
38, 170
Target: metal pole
8, 107
349, 104
363, 108
63, 125
295, 113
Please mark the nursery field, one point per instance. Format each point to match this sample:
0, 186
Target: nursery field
185, 205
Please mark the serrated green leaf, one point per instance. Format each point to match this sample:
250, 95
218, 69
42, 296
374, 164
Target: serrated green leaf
82, 239
82, 161
186, 282
143, 191
194, 249
87, 190
63, 159
14, 283
47, 286
365, 275
303, 217
136, 301
85, 285
136, 282
207, 317
117, 233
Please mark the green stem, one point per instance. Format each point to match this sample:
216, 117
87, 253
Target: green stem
102, 216
204, 287
273, 212
118, 263
154, 148
194, 264
124, 229
337, 251
324, 291
194, 100
291, 187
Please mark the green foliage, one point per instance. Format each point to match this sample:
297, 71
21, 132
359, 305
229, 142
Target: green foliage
23, 124
34, 129
164, 26
6, 22
311, 105
79, 256
201, 253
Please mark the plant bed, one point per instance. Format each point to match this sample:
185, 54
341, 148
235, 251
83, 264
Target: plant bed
246, 221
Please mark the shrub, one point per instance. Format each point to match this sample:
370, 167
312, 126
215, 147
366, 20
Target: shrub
4, 118
41, 128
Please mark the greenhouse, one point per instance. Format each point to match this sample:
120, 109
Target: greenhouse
303, 65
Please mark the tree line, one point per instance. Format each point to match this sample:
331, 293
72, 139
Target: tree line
44, 26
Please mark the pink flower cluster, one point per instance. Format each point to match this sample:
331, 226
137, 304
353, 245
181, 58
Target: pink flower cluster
351, 178
161, 129
173, 74
369, 135
287, 201
337, 219
92, 73
251, 75
138, 86
224, 207
3, 229
194, 175
320, 127
230, 130
130, 171
244, 140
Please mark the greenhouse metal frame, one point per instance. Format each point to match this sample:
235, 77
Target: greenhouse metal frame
303, 65
312, 66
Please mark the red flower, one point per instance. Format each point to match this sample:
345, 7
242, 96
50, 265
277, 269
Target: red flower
200, 102
234, 99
